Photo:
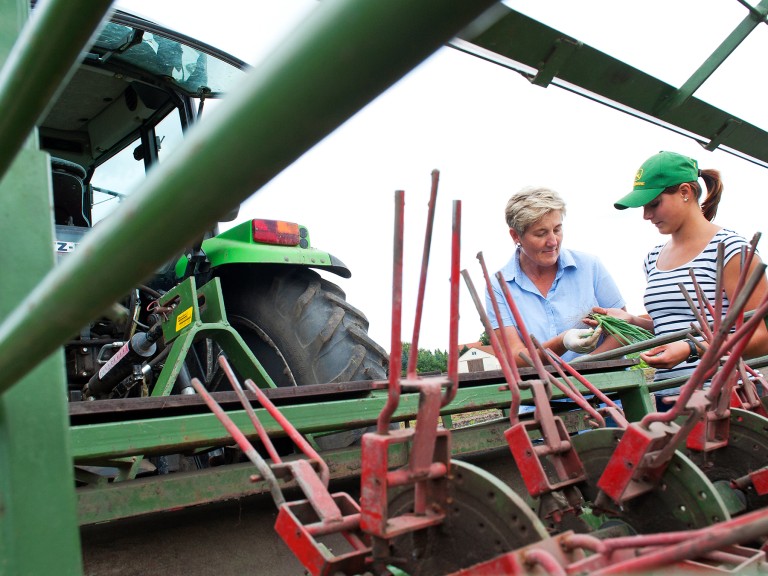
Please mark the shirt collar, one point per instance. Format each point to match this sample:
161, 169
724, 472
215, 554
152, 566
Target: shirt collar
512, 270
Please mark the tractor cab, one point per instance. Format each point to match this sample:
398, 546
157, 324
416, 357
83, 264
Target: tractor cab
138, 88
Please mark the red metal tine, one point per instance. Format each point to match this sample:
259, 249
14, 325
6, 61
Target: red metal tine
511, 376
603, 549
698, 311
748, 388
719, 283
413, 357
396, 346
705, 306
739, 341
290, 430
652, 451
506, 348
740, 529
263, 436
569, 389
599, 394
453, 328
242, 441
537, 363
300, 522
546, 561
747, 255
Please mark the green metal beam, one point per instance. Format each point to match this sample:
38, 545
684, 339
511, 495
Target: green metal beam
38, 523
159, 493
536, 51
47, 49
118, 500
756, 16
168, 435
344, 55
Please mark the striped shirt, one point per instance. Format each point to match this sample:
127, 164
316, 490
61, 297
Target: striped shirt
666, 304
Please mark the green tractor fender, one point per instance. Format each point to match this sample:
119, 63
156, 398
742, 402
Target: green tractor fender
265, 242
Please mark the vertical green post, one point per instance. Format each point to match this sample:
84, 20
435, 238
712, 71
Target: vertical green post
38, 521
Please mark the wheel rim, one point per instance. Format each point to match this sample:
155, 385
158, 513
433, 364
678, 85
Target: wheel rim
685, 499
484, 518
747, 451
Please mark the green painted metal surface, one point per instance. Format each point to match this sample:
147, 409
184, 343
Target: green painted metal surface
37, 507
143, 496
173, 434
37, 503
175, 204
236, 246
200, 314
735, 38
38, 525
548, 54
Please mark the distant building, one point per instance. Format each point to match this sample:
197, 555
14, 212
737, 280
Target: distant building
478, 358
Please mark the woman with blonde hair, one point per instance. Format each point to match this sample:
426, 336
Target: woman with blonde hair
554, 288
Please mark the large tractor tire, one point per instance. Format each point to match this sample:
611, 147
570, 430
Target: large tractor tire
301, 329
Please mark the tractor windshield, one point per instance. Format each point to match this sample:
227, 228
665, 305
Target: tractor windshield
195, 68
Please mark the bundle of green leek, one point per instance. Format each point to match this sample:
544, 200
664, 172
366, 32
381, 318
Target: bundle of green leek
624, 332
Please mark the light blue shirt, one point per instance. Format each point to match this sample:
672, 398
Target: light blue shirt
581, 283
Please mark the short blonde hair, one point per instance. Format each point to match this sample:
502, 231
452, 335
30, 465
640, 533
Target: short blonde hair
529, 205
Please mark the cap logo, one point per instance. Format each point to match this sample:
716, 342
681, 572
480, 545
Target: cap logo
639, 175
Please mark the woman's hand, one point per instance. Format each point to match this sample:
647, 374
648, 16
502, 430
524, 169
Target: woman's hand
643, 321
615, 312
581, 340
667, 356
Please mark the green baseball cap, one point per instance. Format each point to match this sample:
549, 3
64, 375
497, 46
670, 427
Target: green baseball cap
658, 173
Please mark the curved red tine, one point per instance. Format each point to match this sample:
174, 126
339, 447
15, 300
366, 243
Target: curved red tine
412, 358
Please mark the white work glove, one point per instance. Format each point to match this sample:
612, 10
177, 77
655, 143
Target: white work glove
582, 340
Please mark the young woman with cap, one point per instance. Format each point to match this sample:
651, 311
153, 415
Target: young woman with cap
554, 288
667, 188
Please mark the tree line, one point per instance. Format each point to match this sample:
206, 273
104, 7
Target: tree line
433, 360
426, 360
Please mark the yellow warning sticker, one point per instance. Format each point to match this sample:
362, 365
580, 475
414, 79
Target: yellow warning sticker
184, 319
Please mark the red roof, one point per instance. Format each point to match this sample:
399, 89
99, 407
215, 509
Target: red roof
478, 346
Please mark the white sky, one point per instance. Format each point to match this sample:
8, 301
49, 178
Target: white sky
490, 133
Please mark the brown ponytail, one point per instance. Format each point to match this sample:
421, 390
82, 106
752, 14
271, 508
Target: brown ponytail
714, 184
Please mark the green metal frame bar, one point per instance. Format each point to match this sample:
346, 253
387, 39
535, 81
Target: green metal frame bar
200, 314
175, 204
143, 496
543, 54
46, 50
38, 514
93, 442
756, 15
121, 500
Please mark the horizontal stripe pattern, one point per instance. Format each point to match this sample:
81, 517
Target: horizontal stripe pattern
664, 300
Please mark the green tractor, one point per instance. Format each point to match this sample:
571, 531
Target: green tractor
124, 110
